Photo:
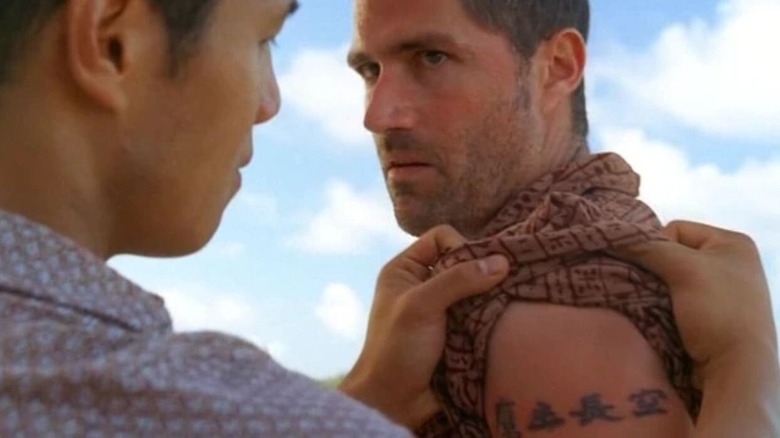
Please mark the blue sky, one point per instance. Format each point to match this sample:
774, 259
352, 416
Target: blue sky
686, 91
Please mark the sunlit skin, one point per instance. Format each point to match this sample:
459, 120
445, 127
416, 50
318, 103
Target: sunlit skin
460, 122
136, 160
104, 146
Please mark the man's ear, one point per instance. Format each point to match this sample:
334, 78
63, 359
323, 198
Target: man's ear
563, 58
100, 35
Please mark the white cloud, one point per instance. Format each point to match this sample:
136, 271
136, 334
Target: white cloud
717, 77
320, 85
261, 205
277, 349
351, 223
342, 312
744, 199
196, 308
231, 250
720, 78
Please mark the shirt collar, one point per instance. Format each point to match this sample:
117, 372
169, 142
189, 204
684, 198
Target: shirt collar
44, 265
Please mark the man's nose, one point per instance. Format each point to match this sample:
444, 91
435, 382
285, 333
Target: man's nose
270, 100
389, 106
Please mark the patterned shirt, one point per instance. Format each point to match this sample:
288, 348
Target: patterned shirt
85, 352
555, 233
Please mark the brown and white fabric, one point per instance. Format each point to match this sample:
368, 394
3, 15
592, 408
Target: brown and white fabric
84, 352
555, 234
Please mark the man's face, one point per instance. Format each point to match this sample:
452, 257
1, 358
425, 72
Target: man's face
187, 137
452, 109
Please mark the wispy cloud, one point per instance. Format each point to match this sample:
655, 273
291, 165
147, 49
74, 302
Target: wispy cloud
342, 312
230, 250
195, 307
718, 77
261, 205
351, 222
320, 86
745, 198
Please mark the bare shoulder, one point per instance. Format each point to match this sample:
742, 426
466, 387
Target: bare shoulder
577, 372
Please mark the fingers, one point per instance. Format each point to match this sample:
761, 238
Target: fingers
696, 235
461, 281
692, 245
431, 245
417, 259
669, 260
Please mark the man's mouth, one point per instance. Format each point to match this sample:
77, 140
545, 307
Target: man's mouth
407, 170
245, 159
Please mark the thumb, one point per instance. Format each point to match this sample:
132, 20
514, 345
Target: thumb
669, 260
412, 266
462, 281
696, 235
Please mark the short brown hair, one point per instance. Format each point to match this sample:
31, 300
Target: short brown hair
526, 23
21, 20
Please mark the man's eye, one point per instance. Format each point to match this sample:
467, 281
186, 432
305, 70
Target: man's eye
268, 42
368, 71
434, 58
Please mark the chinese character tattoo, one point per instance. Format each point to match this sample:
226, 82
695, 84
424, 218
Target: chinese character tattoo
545, 418
505, 420
593, 408
649, 402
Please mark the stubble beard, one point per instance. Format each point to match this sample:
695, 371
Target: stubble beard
468, 202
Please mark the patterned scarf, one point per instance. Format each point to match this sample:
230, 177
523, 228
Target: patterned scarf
555, 234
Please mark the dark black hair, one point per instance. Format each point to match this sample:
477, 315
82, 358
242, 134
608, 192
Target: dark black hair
22, 20
526, 23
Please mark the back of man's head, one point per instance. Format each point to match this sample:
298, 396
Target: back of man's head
126, 123
22, 20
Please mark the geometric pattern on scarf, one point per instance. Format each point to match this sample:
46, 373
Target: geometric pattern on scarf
555, 234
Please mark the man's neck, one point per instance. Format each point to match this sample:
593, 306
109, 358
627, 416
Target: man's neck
46, 174
577, 149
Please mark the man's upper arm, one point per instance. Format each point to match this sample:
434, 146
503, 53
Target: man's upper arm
577, 372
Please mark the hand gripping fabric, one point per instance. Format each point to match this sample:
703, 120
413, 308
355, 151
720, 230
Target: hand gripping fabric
555, 234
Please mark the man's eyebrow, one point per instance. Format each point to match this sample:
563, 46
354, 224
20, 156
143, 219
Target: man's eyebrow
294, 6
357, 57
426, 41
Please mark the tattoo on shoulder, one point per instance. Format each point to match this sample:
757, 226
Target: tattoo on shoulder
649, 402
505, 420
588, 410
592, 409
544, 417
